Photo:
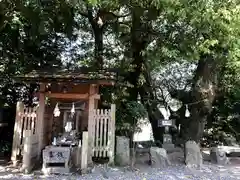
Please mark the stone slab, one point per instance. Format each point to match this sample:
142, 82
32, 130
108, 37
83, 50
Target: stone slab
159, 157
122, 151
193, 155
55, 170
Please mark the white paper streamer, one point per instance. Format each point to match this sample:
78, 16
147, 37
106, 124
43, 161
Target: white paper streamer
187, 113
56, 111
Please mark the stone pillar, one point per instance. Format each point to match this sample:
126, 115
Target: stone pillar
112, 135
167, 141
27, 154
40, 121
122, 151
17, 132
84, 152
167, 137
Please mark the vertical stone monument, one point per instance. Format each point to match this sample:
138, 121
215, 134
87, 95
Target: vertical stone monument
166, 123
193, 155
122, 151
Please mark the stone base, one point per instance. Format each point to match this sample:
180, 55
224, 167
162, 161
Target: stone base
168, 147
55, 170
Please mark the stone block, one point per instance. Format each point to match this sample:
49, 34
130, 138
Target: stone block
60, 156
159, 157
122, 157
167, 138
193, 155
218, 156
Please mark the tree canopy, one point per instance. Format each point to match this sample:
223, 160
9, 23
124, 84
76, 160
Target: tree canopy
183, 50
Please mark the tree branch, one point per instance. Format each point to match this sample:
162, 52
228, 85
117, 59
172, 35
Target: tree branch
181, 95
113, 15
83, 14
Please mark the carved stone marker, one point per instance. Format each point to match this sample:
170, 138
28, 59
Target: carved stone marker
122, 151
56, 160
167, 137
84, 152
218, 155
159, 157
193, 156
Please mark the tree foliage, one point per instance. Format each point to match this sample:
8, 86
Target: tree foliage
145, 40
127, 117
32, 36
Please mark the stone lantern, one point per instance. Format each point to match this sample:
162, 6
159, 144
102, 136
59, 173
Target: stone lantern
166, 123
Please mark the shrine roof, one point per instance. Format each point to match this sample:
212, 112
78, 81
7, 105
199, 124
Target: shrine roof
82, 75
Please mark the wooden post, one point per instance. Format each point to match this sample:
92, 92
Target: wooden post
84, 152
79, 154
112, 144
17, 132
40, 120
77, 121
90, 123
65, 117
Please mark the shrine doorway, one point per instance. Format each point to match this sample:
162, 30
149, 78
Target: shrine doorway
66, 114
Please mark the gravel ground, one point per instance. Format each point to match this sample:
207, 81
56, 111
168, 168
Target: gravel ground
175, 172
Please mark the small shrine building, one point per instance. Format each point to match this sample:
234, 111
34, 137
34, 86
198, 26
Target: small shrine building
65, 117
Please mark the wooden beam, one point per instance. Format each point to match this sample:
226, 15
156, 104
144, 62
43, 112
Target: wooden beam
71, 96
106, 82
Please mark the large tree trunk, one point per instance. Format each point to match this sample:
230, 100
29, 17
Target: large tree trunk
200, 99
150, 102
202, 96
98, 37
145, 90
137, 45
97, 27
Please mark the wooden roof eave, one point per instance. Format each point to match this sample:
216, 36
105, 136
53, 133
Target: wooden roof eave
64, 80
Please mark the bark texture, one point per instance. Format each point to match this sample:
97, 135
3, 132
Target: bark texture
139, 40
202, 94
200, 99
97, 27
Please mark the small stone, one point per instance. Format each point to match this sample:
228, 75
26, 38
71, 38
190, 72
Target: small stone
219, 156
159, 157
